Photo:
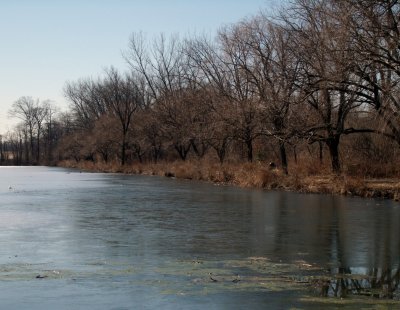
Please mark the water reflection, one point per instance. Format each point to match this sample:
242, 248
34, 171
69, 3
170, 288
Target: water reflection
156, 218
99, 224
372, 282
185, 219
328, 230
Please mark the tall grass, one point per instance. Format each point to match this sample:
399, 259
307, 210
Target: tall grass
306, 177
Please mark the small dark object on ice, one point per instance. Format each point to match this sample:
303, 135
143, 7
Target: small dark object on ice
237, 279
40, 277
212, 279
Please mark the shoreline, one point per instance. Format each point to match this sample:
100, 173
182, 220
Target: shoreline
255, 175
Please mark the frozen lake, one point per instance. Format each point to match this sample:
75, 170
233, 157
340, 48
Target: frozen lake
71, 240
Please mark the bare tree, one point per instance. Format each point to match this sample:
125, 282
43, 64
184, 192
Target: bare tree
122, 98
15, 145
165, 68
263, 51
49, 131
222, 73
32, 113
328, 84
86, 103
105, 136
138, 58
374, 27
24, 109
40, 113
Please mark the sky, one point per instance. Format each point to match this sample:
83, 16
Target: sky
45, 43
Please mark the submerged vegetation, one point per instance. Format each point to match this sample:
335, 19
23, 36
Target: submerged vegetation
304, 285
313, 90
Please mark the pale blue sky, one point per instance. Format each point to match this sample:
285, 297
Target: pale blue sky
45, 43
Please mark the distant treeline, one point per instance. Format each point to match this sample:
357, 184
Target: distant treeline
317, 82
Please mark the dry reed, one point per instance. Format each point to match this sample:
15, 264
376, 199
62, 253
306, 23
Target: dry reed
302, 178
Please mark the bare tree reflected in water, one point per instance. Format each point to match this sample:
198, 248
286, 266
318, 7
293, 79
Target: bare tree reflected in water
344, 282
359, 245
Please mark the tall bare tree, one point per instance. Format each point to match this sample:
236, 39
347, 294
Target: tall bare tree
40, 113
32, 113
222, 72
122, 98
375, 29
86, 101
170, 82
329, 85
24, 109
264, 51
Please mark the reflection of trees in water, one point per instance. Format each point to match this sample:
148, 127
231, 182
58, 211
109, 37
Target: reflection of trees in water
382, 282
377, 283
355, 239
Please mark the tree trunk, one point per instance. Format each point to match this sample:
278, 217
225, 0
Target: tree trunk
333, 144
200, 152
156, 152
138, 151
249, 144
104, 155
182, 150
26, 147
123, 150
32, 145
221, 155
38, 148
282, 151
320, 152
20, 152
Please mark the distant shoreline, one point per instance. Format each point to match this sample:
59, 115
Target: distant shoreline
255, 175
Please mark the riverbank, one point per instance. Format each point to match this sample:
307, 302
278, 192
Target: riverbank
256, 175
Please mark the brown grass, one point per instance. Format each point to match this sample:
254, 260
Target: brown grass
307, 178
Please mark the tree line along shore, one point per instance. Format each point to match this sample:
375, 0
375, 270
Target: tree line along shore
312, 88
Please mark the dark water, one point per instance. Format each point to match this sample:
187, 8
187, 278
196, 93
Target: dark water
105, 241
